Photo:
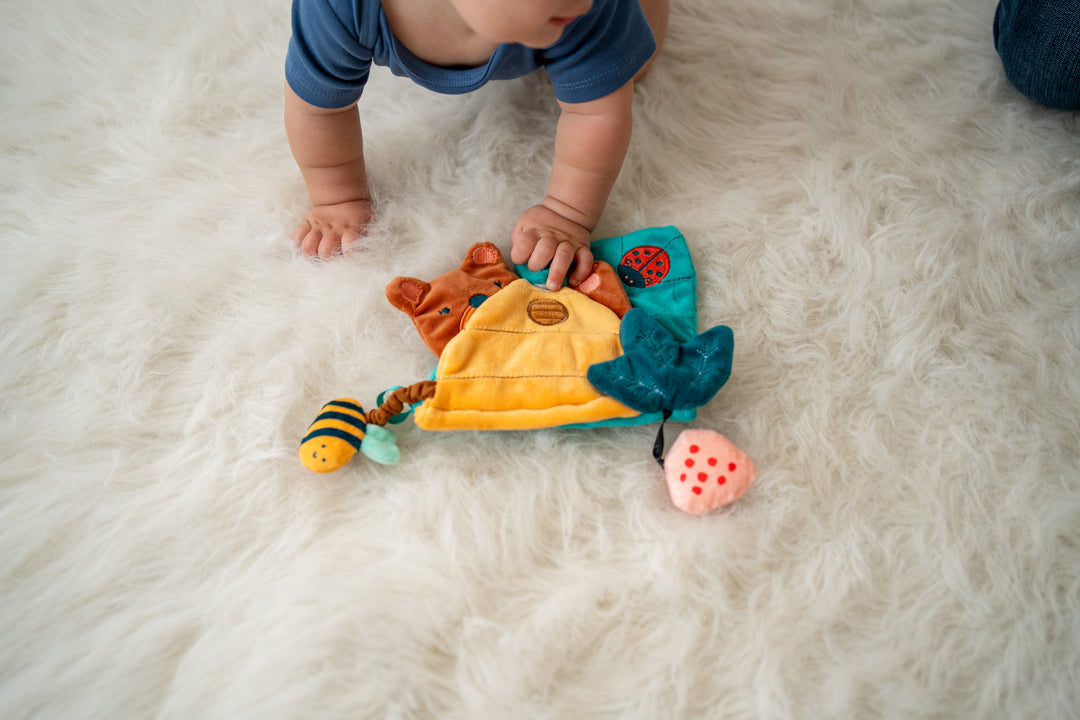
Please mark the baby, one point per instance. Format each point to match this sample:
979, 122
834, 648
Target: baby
593, 51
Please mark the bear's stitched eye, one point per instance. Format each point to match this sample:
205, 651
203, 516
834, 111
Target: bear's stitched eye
444, 311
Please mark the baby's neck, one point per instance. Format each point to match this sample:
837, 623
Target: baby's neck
433, 31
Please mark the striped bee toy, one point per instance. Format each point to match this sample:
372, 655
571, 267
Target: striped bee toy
340, 430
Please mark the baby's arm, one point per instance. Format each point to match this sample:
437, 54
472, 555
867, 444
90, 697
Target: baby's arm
329, 148
590, 143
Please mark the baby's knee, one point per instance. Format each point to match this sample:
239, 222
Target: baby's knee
1039, 45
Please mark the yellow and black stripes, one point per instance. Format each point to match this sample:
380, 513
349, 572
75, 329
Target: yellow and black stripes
334, 437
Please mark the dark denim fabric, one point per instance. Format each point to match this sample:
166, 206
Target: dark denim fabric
1039, 45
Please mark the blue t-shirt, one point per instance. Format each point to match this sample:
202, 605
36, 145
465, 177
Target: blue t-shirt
334, 43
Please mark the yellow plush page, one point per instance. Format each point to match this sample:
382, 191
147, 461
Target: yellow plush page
520, 363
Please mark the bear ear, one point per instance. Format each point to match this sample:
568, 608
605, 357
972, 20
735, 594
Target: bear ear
482, 254
603, 286
406, 294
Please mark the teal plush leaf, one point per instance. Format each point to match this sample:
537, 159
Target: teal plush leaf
657, 373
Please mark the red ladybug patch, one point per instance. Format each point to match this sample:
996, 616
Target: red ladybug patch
644, 266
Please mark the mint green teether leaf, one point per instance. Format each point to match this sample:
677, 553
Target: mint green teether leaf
380, 444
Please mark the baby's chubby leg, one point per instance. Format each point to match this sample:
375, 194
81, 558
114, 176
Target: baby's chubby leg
656, 12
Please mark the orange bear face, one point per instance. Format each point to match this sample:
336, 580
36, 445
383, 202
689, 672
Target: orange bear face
439, 309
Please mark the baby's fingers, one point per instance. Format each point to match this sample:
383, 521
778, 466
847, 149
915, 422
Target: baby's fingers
311, 242
583, 262
322, 244
302, 230
560, 263
544, 251
350, 242
522, 244
329, 246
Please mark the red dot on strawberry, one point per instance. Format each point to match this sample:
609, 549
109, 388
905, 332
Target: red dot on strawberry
731, 467
683, 477
689, 462
694, 448
696, 489
702, 477
721, 480
712, 462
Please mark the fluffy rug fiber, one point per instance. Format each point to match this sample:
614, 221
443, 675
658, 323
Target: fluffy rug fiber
891, 230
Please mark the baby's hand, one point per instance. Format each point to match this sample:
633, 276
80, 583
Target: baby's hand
333, 229
547, 239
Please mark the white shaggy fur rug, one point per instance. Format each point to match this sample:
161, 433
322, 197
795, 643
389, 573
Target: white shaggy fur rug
892, 232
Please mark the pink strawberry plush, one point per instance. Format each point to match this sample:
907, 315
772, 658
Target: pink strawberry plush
705, 471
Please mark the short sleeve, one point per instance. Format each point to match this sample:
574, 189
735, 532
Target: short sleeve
600, 52
327, 65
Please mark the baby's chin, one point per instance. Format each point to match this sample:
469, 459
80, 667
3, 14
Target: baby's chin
544, 39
